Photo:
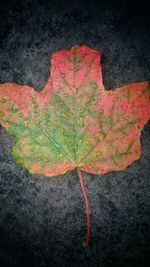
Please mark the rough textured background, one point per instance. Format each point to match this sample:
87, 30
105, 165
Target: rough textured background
42, 220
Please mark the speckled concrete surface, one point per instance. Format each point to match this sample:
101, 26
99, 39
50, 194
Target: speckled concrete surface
42, 220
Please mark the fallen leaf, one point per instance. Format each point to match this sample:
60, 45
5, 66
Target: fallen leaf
74, 122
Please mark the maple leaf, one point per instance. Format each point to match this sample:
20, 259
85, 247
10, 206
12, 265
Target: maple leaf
74, 122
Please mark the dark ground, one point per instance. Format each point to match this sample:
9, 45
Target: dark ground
42, 220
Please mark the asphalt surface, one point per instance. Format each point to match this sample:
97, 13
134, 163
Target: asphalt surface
42, 219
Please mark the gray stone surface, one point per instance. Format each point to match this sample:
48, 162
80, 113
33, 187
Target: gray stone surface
42, 219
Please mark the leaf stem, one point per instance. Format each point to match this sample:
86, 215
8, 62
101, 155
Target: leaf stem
88, 239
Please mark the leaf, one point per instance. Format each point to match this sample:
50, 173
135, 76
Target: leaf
74, 122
